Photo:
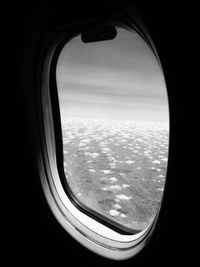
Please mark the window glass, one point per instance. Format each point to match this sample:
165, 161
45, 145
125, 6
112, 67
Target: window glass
115, 127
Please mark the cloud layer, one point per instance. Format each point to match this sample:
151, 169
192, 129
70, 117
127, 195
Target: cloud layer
117, 79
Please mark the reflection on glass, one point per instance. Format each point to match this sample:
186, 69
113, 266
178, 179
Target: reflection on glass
114, 115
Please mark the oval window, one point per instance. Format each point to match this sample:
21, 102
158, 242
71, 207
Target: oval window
115, 128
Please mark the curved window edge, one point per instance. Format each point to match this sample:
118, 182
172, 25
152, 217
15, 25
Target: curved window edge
86, 230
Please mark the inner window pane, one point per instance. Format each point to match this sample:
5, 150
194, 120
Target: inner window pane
115, 126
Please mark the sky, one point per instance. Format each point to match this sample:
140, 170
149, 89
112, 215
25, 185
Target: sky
113, 79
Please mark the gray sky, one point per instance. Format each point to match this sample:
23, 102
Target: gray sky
116, 79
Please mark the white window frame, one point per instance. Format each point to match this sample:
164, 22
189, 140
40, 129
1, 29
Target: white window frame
86, 230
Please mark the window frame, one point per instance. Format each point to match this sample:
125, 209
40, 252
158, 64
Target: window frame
88, 228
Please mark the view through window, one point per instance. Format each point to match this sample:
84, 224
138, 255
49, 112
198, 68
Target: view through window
115, 126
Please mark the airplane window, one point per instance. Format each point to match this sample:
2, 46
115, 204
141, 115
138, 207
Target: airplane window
115, 127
